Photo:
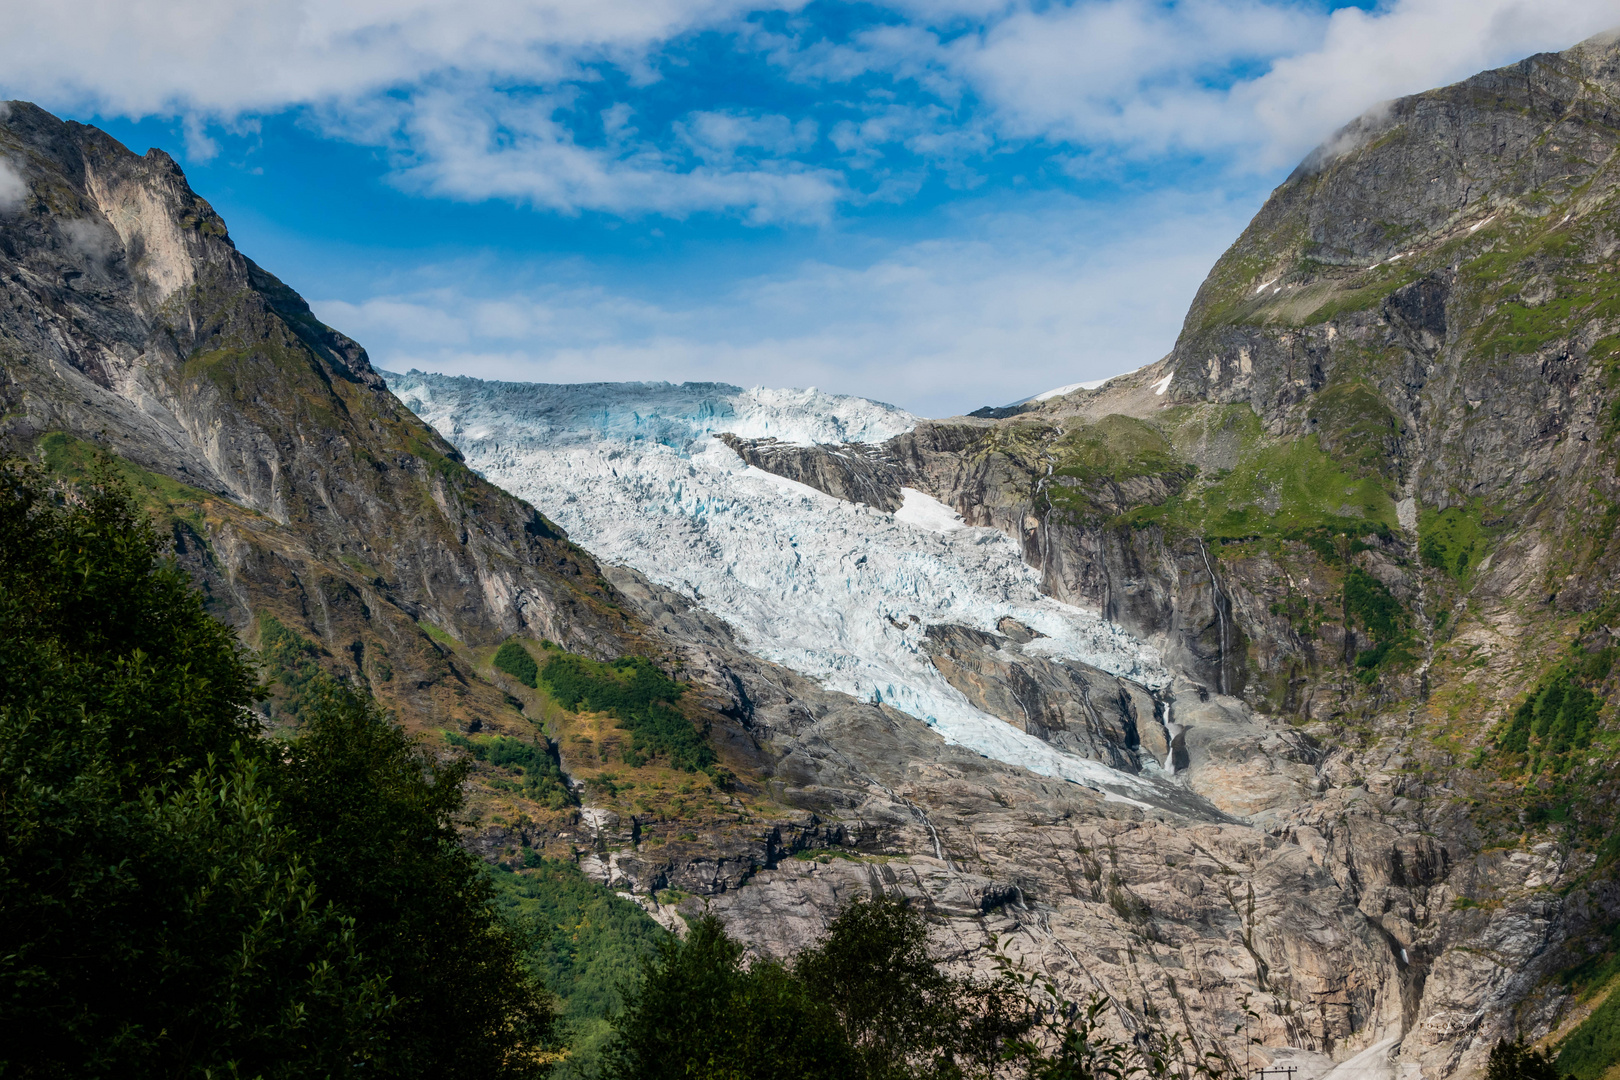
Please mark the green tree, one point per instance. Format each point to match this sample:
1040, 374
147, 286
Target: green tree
904, 1016
701, 1013
181, 897
517, 662
375, 812
1515, 1061
586, 942
155, 917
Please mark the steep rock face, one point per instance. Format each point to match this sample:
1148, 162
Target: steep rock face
1178, 919
857, 472
130, 322
1373, 489
1071, 705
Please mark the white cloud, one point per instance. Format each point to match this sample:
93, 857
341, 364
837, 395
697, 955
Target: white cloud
1144, 79
492, 146
1050, 295
142, 57
13, 188
716, 137
1128, 73
1411, 46
464, 91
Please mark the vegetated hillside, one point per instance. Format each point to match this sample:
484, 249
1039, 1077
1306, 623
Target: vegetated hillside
332, 528
1373, 493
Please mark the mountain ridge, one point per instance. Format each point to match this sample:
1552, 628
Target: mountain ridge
1370, 491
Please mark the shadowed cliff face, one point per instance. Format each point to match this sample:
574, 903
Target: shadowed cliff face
131, 322
1372, 492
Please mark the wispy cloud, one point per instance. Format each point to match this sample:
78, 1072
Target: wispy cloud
13, 188
145, 57
490, 145
1020, 302
479, 99
1365, 58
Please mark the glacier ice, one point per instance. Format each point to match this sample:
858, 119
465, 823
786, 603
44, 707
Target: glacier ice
837, 591
926, 512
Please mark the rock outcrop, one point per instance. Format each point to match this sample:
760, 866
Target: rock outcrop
1371, 491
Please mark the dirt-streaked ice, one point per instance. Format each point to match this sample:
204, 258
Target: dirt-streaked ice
838, 591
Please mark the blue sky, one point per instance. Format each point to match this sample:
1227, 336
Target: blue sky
938, 203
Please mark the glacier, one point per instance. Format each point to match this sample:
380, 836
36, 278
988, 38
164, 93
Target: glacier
837, 591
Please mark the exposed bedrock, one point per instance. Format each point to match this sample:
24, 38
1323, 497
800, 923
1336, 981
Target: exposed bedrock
1166, 914
855, 472
1071, 705
1364, 508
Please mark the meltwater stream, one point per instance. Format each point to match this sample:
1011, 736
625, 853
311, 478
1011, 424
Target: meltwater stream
837, 591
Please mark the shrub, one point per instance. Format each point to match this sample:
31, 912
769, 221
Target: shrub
537, 763
640, 697
869, 1003
699, 1011
1369, 602
1559, 715
1592, 1049
291, 663
1515, 1061
903, 1016
515, 660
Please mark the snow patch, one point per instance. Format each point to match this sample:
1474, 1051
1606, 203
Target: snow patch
926, 512
1091, 384
838, 591
1162, 385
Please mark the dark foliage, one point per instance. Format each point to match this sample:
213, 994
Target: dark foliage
869, 1003
155, 917
1515, 1061
640, 697
516, 661
700, 1012
905, 1018
1369, 602
375, 813
537, 764
291, 663
93, 619
1593, 1048
182, 897
586, 944
588, 940
1559, 715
